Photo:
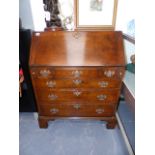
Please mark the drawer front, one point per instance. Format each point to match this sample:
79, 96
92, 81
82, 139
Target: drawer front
77, 72
112, 72
64, 72
77, 83
76, 110
47, 96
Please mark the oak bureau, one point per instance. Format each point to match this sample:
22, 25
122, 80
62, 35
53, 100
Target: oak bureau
77, 74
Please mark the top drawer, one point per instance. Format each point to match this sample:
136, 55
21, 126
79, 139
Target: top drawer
77, 72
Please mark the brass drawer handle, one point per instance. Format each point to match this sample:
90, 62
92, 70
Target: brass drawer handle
77, 93
52, 96
99, 111
109, 73
101, 97
45, 72
33, 73
51, 84
54, 110
76, 73
103, 84
77, 81
77, 106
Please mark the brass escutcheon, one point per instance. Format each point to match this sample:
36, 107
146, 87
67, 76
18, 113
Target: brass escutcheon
77, 106
76, 73
76, 35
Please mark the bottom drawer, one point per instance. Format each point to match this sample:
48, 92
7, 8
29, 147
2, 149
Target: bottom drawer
76, 110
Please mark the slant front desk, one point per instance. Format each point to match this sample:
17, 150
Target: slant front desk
77, 75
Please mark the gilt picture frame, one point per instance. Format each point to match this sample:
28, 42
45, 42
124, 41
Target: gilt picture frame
95, 14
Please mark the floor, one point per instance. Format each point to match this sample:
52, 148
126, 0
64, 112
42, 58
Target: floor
68, 137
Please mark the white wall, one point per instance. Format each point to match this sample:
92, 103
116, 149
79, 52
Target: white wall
129, 50
125, 13
32, 14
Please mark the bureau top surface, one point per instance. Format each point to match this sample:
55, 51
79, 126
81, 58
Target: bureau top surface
77, 48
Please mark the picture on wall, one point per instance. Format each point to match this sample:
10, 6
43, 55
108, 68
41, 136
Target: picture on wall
96, 14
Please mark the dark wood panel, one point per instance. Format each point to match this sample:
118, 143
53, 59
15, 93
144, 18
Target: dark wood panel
54, 96
76, 110
97, 83
83, 102
95, 48
77, 72
111, 120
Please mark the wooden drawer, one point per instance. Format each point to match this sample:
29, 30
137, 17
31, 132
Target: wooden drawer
77, 83
76, 110
64, 72
77, 72
56, 96
81, 102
